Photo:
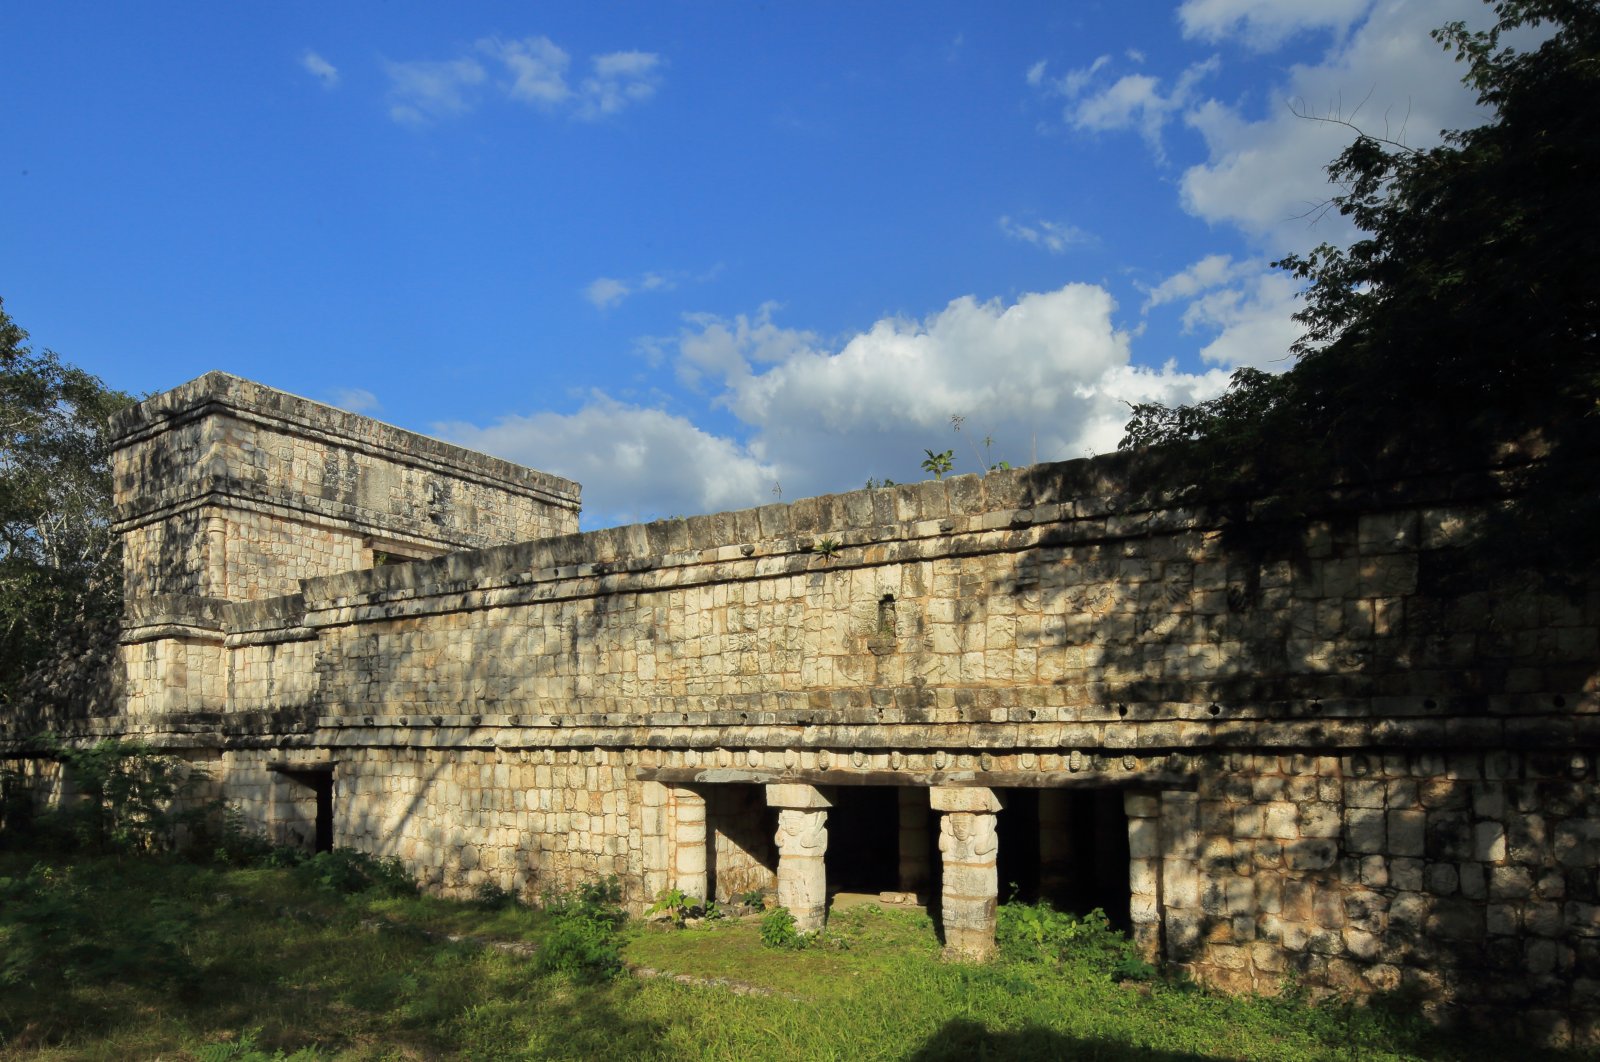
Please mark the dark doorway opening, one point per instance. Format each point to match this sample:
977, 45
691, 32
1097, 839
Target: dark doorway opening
864, 839
1068, 847
312, 800
741, 855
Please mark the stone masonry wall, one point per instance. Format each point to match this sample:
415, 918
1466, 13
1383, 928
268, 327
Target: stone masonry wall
1341, 753
272, 489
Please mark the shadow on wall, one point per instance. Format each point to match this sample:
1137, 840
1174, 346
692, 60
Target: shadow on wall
1363, 600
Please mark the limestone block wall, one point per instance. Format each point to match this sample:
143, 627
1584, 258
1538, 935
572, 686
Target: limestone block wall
1338, 752
1337, 763
232, 490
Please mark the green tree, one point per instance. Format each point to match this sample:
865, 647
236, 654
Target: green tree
1464, 318
59, 562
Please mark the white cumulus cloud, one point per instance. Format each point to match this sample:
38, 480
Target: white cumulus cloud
1047, 375
634, 463
1265, 174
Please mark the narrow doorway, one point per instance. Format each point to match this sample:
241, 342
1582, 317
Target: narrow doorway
309, 815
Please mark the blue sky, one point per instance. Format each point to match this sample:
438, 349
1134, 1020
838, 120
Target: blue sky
695, 255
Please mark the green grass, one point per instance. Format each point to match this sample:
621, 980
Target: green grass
101, 959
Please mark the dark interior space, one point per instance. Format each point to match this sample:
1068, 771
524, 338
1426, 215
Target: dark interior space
864, 839
1067, 847
1017, 861
321, 785
740, 853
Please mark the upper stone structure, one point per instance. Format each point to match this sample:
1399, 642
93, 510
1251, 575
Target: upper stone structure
231, 491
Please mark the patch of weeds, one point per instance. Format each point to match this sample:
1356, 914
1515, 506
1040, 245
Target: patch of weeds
490, 897
582, 943
1037, 932
778, 931
65, 926
245, 1049
347, 872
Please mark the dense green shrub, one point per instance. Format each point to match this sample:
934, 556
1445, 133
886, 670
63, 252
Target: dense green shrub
777, 931
347, 872
67, 926
129, 799
1037, 932
582, 943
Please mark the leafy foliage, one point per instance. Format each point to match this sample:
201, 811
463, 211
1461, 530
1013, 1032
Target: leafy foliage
777, 931
937, 464
60, 567
1464, 319
129, 798
1037, 932
61, 925
582, 943
347, 872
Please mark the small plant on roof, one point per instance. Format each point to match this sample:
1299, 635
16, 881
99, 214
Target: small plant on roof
938, 463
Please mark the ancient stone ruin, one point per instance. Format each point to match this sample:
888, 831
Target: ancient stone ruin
1308, 746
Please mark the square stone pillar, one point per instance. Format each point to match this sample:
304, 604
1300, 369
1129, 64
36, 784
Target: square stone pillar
1144, 871
802, 842
915, 871
688, 868
968, 846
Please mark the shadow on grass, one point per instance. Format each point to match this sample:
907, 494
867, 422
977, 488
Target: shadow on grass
961, 1040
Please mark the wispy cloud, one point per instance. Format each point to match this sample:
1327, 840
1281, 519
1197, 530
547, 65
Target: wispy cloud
532, 71
536, 68
1052, 236
354, 399
1132, 101
606, 292
425, 91
1263, 25
320, 68
619, 80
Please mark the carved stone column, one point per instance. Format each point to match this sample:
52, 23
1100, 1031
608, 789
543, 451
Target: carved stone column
802, 842
688, 842
968, 845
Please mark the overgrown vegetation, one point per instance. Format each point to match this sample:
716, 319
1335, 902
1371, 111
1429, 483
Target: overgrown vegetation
582, 942
60, 565
1465, 317
153, 956
127, 798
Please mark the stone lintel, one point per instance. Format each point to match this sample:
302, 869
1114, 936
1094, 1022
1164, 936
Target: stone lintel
793, 795
963, 798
